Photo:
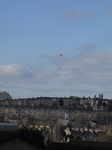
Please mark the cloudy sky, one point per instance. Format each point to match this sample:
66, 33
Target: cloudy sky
33, 34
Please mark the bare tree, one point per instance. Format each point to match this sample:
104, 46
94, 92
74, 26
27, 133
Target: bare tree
5, 95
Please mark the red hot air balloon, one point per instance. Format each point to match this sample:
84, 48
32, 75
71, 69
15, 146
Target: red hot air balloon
60, 54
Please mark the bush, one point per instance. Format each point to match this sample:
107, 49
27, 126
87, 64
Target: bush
33, 136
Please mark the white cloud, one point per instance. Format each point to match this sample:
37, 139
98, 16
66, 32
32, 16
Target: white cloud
85, 69
109, 0
76, 14
9, 70
12, 70
81, 14
86, 66
109, 13
87, 47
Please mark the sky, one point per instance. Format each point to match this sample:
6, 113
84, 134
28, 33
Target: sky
33, 34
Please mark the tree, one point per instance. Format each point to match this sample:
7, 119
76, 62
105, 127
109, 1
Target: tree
88, 126
61, 103
69, 126
110, 105
5, 96
77, 137
33, 136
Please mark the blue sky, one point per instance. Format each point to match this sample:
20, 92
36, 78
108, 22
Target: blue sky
33, 34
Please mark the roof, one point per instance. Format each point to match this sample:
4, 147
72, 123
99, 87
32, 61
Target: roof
8, 124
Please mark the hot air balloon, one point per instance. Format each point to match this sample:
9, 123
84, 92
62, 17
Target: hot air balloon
60, 55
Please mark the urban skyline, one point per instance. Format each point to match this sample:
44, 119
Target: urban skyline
33, 34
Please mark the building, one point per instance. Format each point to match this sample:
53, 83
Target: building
8, 126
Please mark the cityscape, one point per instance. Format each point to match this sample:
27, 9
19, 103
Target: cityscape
56, 75
89, 117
